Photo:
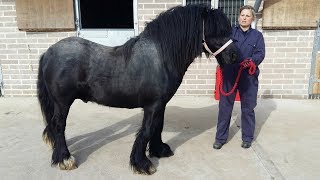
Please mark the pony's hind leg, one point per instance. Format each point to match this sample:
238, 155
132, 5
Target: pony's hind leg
61, 155
156, 147
138, 159
48, 136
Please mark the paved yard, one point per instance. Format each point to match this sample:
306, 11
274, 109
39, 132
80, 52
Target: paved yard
287, 144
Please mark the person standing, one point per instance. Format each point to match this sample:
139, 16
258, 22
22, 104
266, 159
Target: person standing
251, 46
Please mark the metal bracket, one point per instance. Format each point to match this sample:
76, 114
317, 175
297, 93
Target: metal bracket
316, 48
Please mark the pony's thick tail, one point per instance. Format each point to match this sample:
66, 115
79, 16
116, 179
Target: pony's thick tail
44, 97
46, 104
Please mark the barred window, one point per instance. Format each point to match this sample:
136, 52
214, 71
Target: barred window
205, 2
231, 9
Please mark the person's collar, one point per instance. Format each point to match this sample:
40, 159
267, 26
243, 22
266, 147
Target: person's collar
239, 28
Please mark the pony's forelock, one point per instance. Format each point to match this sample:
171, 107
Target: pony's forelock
217, 24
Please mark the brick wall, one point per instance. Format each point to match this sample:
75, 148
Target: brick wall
20, 51
149, 9
284, 73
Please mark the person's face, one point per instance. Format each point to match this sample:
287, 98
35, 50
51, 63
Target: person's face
245, 18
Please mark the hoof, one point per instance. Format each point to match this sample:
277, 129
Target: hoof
163, 150
142, 166
47, 140
68, 164
150, 171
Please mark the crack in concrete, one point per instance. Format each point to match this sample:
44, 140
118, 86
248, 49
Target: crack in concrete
263, 157
267, 163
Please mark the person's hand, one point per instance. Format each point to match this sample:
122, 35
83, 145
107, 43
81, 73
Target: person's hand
250, 65
246, 63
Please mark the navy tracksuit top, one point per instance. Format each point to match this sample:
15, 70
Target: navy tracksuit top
250, 44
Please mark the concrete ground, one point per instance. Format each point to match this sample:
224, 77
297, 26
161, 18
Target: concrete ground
287, 143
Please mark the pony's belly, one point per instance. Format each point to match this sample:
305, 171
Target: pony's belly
120, 101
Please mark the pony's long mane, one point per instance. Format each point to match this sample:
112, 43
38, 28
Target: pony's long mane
179, 32
126, 49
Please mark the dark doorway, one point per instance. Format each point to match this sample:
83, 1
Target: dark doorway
106, 14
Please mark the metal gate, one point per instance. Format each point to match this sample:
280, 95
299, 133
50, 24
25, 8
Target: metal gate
229, 7
314, 82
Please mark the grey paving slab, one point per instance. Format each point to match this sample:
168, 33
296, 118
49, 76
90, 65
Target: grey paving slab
287, 142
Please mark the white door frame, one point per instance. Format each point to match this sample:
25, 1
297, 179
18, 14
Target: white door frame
107, 36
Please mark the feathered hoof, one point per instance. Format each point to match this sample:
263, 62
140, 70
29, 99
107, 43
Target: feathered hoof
149, 171
47, 140
68, 164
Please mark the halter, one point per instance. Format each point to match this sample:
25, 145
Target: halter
217, 51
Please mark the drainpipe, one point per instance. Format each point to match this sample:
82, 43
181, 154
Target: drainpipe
256, 6
1, 83
77, 17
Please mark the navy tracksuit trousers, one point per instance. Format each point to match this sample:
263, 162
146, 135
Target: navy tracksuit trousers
248, 88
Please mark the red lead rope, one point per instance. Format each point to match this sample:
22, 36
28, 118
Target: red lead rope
243, 65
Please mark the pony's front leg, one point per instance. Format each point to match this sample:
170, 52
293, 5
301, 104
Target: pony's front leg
151, 121
156, 147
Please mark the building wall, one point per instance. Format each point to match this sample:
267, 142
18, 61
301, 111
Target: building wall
20, 51
285, 70
284, 73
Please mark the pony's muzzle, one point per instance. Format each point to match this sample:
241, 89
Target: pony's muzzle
234, 57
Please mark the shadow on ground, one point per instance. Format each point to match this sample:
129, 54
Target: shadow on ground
186, 122
262, 111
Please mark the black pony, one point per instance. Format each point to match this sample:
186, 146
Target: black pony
145, 73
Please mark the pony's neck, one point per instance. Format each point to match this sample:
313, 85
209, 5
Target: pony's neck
178, 36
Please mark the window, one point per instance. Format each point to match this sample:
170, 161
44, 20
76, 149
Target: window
288, 14
229, 7
45, 15
205, 2
110, 23
106, 14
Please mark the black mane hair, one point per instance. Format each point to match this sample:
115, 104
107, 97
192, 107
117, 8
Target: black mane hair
175, 34
217, 25
125, 50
